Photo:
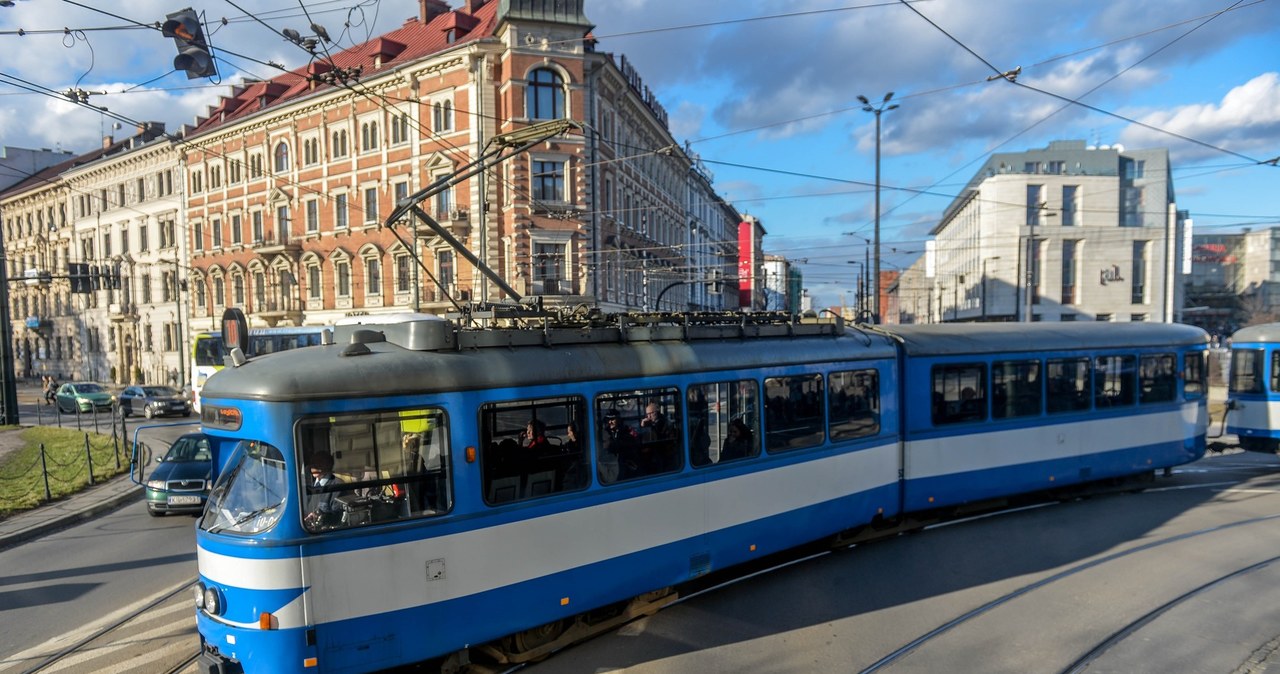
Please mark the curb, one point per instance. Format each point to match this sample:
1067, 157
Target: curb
99, 506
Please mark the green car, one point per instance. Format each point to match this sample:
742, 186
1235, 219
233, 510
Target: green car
83, 397
180, 481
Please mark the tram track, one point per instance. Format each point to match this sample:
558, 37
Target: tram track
1117, 636
77, 654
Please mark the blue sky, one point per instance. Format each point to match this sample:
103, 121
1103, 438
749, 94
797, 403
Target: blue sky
765, 90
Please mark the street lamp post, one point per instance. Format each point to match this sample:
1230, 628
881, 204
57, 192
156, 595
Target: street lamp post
1033, 254
984, 284
875, 276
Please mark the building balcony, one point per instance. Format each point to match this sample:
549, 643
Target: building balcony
276, 243
456, 222
275, 311
119, 312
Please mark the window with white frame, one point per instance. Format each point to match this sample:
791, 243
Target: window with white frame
313, 215
340, 147
404, 273
260, 290
547, 181
442, 115
368, 135
237, 233
313, 281
310, 151
342, 277
545, 99
282, 225
371, 205
399, 128
215, 227
340, 210
256, 216
548, 268
281, 157
372, 275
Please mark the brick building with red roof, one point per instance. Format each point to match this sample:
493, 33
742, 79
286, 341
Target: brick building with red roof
289, 181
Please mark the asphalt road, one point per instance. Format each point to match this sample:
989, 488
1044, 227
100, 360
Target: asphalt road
57, 585
1032, 590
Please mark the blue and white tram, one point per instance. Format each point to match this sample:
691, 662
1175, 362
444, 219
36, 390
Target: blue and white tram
1253, 387
1000, 408
423, 489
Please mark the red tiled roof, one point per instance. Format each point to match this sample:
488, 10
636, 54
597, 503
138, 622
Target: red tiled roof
411, 42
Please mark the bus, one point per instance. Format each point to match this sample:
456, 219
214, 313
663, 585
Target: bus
208, 352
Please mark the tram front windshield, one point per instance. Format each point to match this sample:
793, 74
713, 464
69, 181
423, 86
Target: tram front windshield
249, 498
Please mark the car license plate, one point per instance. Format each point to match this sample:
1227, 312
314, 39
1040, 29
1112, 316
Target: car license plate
184, 500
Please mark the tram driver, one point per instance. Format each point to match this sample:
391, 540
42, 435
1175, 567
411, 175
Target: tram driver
323, 507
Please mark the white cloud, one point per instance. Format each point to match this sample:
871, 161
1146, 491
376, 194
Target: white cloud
1246, 120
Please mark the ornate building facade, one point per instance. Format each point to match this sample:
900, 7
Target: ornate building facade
290, 181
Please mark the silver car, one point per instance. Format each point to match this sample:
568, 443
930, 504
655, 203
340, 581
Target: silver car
153, 401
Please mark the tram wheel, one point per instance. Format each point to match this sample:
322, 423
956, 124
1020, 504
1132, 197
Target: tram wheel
537, 637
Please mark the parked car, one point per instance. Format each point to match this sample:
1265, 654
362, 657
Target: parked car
180, 481
153, 401
82, 397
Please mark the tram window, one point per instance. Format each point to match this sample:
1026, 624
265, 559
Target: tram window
793, 416
1246, 371
385, 466
533, 448
1158, 378
1113, 381
250, 496
724, 424
1067, 385
1274, 379
959, 394
853, 409
1016, 389
1193, 375
638, 434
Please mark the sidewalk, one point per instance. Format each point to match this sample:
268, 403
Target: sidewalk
78, 507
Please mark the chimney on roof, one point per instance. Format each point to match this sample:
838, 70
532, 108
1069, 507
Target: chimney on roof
430, 9
473, 5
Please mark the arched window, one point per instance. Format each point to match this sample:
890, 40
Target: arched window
282, 157
545, 95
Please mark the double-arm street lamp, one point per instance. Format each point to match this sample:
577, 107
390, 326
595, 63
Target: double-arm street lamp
875, 276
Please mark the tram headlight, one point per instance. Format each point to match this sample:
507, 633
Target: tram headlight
198, 591
212, 601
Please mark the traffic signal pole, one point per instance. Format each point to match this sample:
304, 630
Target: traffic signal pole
8, 377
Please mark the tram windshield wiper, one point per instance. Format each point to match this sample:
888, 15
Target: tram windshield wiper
243, 518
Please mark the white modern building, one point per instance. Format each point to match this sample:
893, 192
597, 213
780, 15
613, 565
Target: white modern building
1068, 232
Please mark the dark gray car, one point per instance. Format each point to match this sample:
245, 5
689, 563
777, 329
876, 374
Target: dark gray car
153, 401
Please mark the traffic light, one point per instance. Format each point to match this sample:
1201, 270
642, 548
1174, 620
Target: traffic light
78, 272
193, 50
